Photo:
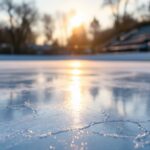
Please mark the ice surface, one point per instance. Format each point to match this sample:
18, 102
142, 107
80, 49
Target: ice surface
74, 104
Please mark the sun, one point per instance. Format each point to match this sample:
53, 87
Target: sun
76, 21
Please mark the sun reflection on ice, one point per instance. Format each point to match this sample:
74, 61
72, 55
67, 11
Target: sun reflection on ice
41, 79
75, 91
76, 73
76, 64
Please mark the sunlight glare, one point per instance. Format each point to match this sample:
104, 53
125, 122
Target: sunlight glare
76, 64
75, 94
76, 72
41, 80
76, 21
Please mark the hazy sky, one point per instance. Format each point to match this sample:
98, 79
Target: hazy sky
88, 8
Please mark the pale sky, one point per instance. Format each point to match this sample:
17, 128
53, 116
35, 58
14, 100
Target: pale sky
88, 8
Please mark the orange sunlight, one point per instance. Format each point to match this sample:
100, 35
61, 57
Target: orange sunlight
75, 64
76, 21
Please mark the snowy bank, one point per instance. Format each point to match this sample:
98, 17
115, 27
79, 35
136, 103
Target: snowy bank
100, 57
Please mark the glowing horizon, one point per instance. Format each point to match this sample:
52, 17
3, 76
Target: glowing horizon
84, 12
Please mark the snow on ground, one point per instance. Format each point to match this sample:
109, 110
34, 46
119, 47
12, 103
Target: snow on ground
105, 57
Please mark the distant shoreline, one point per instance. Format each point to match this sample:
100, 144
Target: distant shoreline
99, 57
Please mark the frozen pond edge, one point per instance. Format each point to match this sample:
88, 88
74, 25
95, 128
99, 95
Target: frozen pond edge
99, 57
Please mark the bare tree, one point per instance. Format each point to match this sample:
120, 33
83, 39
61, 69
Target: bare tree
115, 6
21, 18
95, 31
95, 27
78, 41
63, 19
48, 25
147, 6
126, 7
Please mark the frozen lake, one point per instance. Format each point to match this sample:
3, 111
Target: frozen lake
74, 105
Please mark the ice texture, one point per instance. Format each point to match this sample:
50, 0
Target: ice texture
74, 104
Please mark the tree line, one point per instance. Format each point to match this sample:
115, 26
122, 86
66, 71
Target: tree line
18, 30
